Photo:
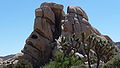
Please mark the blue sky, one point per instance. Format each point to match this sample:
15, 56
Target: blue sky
17, 19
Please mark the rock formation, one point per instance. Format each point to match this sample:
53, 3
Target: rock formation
39, 45
7, 57
50, 23
118, 46
1, 60
76, 22
10, 60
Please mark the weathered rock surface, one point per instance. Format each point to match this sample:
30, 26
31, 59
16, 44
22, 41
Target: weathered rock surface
1, 60
76, 22
50, 23
47, 28
118, 46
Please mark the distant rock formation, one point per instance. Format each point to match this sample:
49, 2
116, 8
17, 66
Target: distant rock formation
4, 58
118, 46
50, 23
10, 59
7, 57
117, 43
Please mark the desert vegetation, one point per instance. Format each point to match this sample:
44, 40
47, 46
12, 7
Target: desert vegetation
73, 52
96, 53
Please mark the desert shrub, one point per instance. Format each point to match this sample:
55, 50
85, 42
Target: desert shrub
103, 51
3, 66
62, 61
6, 66
113, 63
80, 66
23, 64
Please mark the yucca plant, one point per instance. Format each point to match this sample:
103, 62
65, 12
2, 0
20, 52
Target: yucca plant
70, 45
103, 48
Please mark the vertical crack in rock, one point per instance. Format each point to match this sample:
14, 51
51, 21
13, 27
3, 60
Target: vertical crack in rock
59, 13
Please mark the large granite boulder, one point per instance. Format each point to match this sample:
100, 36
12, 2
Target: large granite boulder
76, 22
47, 28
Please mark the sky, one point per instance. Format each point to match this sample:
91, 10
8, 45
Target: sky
17, 20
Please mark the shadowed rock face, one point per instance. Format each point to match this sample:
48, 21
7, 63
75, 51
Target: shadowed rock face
50, 23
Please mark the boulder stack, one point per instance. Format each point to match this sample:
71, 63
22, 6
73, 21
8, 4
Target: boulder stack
47, 28
50, 23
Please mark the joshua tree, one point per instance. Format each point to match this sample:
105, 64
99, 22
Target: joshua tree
70, 45
88, 44
103, 48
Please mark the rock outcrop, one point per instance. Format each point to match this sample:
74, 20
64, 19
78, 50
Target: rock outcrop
39, 45
10, 60
76, 22
7, 57
1, 60
117, 46
50, 23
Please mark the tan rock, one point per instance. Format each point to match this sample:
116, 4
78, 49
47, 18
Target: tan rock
48, 13
37, 41
43, 27
18, 56
85, 21
52, 5
68, 24
76, 22
32, 51
96, 31
77, 10
1, 61
38, 12
77, 27
37, 48
56, 8
108, 38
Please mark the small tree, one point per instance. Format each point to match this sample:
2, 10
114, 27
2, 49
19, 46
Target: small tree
70, 45
88, 45
62, 61
103, 48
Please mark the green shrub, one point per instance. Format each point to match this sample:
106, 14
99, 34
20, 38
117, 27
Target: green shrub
23, 64
62, 61
80, 66
113, 63
3, 66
